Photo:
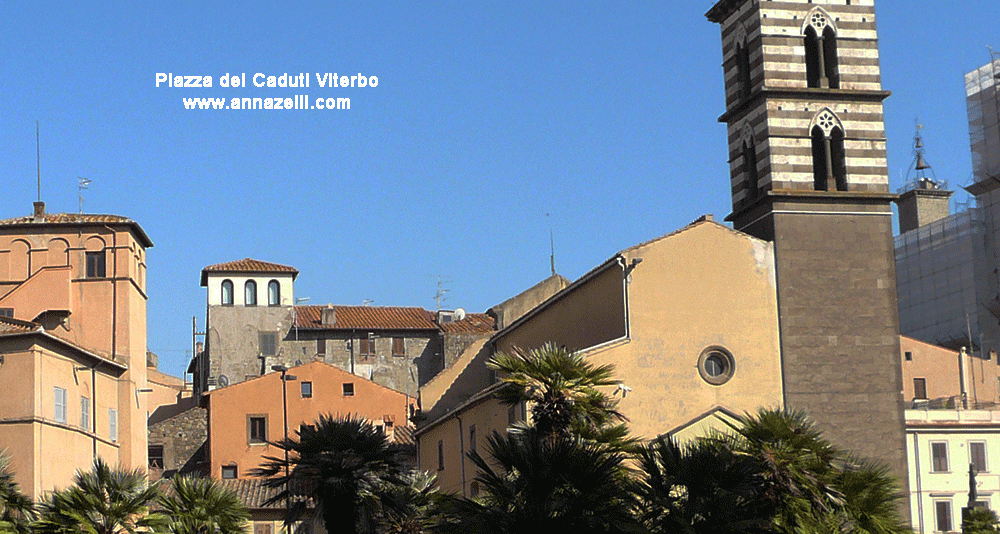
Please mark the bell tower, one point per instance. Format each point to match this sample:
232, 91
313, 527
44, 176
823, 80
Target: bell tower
808, 171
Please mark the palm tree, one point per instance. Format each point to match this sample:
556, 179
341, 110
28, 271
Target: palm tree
203, 506
346, 463
534, 483
16, 508
563, 390
102, 501
700, 487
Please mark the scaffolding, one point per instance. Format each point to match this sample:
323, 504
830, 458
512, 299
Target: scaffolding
982, 90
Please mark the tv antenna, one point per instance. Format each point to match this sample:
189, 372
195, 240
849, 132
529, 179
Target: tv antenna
81, 184
38, 159
441, 295
552, 248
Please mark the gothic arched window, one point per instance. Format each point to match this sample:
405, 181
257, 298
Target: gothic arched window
822, 68
829, 165
743, 69
750, 172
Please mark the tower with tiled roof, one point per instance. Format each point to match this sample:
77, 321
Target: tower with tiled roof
803, 109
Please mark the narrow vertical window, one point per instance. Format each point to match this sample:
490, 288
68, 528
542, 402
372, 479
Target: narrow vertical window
227, 292
368, 346
112, 424
250, 293
96, 264
321, 347
977, 456
273, 293
743, 70
750, 169
156, 456
820, 39
440, 455
919, 388
942, 515
939, 457
85, 413
472, 438
829, 162
398, 346
268, 343
908, 356
257, 429
60, 404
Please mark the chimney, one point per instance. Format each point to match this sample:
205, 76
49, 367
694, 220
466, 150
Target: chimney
39, 211
329, 315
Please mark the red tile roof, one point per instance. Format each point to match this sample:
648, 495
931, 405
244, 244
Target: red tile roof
474, 323
248, 266
254, 494
70, 219
9, 325
366, 318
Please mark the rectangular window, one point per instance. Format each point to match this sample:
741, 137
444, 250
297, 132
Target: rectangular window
942, 515
368, 346
7, 312
472, 438
96, 264
261, 528
977, 456
321, 346
156, 456
398, 346
440, 455
112, 424
268, 343
348, 389
939, 457
908, 355
60, 404
307, 390
229, 471
919, 388
511, 414
85, 413
257, 428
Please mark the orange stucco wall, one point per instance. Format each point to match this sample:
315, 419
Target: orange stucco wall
939, 367
230, 408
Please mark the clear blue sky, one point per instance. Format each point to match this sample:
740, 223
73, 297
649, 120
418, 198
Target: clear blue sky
492, 123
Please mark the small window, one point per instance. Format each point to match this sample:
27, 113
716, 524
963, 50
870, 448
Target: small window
398, 346
258, 429
262, 528
716, 365
919, 388
368, 346
348, 389
227, 292
939, 457
60, 404
472, 438
440, 455
977, 456
7, 312
96, 264
250, 293
307, 390
321, 346
908, 355
85, 413
942, 515
273, 293
268, 343
156, 456
229, 471
112, 424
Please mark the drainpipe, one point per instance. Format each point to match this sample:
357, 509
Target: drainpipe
114, 295
461, 450
920, 494
93, 405
961, 379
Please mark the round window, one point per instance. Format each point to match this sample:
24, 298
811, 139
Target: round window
716, 365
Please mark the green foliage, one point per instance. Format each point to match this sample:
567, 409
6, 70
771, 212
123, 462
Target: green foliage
345, 466
980, 521
203, 506
562, 388
102, 501
16, 509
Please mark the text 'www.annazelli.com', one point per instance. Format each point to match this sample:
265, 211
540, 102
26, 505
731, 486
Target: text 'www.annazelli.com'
296, 102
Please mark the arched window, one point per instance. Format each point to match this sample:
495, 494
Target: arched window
250, 293
829, 165
822, 69
273, 293
750, 172
743, 69
227, 292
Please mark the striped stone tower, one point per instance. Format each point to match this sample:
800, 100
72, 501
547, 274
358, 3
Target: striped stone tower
808, 172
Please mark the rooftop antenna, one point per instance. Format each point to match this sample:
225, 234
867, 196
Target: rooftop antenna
367, 302
38, 159
552, 248
441, 294
81, 184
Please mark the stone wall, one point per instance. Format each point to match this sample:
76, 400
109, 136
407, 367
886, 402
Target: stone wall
183, 438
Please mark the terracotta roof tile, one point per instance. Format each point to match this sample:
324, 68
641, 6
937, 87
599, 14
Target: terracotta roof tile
403, 435
79, 218
366, 318
249, 266
254, 494
474, 323
9, 325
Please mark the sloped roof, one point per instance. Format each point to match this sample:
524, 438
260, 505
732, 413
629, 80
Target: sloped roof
254, 494
474, 323
247, 266
9, 325
366, 318
70, 219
